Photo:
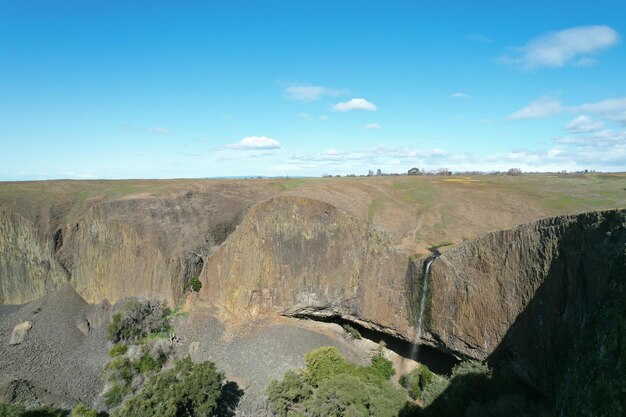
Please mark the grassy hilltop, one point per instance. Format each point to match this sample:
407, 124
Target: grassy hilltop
418, 211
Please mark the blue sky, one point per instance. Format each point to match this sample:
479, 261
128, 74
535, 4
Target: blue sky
108, 89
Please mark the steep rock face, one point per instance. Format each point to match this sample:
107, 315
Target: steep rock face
108, 260
299, 256
140, 245
522, 296
27, 266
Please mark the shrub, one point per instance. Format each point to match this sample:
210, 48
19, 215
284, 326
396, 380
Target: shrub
118, 349
188, 389
116, 393
354, 333
195, 284
149, 362
12, 410
382, 367
323, 363
471, 368
139, 319
289, 394
330, 386
416, 380
121, 370
82, 411
437, 385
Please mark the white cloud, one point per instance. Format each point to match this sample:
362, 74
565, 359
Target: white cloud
305, 116
611, 105
548, 106
255, 143
355, 104
600, 138
583, 124
460, 95
569, 46
605, 150
312, 92
544, 107
483, 121
372, 126
323, 117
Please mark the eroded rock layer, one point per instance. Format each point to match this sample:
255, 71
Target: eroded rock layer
28, 269
298, 256
522, 296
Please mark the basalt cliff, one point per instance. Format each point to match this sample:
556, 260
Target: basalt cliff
522, 297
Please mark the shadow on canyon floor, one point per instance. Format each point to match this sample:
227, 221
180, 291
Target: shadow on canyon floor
436, 360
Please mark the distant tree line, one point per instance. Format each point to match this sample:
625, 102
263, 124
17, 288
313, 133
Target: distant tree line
514, 172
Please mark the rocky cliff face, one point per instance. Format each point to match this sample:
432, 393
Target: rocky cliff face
299, 256
517, 297
27, 266
140, 246
522, 296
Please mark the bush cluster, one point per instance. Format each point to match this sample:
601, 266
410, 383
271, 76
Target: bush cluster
473, 390
139, 319
195, 284
187, 389
331, 386
354, 333
130, 363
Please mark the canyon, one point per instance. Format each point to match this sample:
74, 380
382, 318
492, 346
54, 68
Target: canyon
519, 281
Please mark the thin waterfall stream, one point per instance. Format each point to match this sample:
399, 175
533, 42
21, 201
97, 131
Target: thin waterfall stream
420, 317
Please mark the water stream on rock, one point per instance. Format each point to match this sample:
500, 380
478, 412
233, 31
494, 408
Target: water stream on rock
420, 317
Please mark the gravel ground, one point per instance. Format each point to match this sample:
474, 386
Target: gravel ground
56, 363
263, 351
59, 364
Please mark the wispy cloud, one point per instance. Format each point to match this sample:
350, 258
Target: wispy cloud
549, 106
302, 92
159, 130
355, 104
255, 143
460, 95
372, 126
569, 46
583, 124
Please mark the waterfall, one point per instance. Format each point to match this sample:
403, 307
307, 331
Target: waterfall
420, 317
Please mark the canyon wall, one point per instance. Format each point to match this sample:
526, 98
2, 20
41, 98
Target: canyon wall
521, 297
28, 268
141, 246
303, 257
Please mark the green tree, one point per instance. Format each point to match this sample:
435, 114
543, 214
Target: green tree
323, 363
288, 396
83, 411
188, 389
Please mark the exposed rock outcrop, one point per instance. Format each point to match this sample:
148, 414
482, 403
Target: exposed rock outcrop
518, 296
522, 296
19, 332
142, 246
28, 269
298, 256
